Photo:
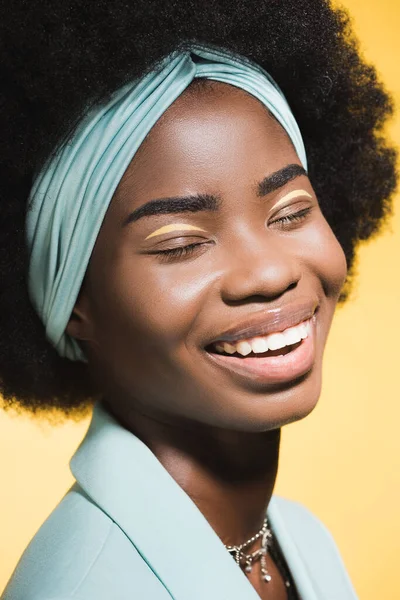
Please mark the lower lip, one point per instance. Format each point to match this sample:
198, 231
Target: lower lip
273, 369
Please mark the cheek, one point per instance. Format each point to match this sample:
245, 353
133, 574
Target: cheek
143, 318
146, 310
325, 256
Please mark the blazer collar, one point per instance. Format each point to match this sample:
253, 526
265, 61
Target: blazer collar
125, 479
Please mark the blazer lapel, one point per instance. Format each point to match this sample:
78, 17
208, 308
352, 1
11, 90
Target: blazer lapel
304, 584
125, 479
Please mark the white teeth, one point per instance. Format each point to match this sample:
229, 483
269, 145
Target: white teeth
243, 348
303, 331
274, 341
259, 345
292, 336
229, 349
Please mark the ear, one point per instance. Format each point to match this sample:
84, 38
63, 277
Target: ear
80, 325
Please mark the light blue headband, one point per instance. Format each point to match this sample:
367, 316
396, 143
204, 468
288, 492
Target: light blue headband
71, 194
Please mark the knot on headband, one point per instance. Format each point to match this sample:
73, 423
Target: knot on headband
71, 194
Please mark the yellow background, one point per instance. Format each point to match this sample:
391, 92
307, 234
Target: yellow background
343, 461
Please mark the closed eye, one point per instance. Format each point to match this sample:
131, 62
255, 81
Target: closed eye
179, 252
296, 217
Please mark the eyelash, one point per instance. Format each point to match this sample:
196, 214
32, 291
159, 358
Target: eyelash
295, 217
185, 251
180, 251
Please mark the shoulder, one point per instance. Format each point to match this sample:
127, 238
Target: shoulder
315, 544
80, 553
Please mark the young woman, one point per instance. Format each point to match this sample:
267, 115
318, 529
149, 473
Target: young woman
184, 187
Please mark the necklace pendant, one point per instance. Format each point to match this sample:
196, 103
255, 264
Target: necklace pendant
245, 561
248, 564
265, 576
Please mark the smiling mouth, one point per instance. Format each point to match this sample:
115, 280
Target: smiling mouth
275, 344
267, 353
278, 358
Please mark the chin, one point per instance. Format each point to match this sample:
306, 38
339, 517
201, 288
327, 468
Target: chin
284, 405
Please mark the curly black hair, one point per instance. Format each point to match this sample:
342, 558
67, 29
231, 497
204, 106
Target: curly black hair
56, 58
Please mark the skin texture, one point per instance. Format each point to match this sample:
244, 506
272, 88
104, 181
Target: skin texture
144, 321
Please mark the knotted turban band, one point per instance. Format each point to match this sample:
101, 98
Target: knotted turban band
71, 194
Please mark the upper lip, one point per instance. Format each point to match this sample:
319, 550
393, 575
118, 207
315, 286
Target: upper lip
270, 321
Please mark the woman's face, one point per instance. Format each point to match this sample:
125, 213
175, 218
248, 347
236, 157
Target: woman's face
213, 235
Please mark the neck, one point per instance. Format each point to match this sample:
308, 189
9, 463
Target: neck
229, 475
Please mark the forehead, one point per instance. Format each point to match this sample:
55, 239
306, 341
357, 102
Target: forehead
214, 135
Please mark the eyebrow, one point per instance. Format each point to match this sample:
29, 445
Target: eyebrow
273, 182
209, 202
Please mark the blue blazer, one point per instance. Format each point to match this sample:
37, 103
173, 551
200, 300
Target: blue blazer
127, 531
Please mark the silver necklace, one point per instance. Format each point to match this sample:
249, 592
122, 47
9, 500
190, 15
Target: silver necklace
246, 561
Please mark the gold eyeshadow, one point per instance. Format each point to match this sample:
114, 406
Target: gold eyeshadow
290, 196
173, 227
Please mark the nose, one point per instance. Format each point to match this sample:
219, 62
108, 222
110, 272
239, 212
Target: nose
262, 266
